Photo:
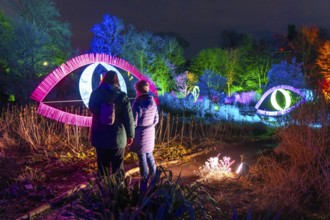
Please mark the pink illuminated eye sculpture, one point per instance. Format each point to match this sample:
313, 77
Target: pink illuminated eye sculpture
273, 92
70, 66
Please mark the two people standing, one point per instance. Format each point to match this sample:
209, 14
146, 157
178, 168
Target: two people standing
133, 126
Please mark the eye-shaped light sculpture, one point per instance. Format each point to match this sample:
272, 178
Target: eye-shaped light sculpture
68, 67
280, 110
85, 82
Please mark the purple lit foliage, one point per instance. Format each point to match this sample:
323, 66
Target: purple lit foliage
286, 73
211, 83
182, 84
245, 98
185, 83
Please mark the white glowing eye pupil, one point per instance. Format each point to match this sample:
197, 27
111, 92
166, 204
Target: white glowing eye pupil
85, 82
287, 100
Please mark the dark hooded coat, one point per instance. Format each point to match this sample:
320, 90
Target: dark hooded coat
111, 136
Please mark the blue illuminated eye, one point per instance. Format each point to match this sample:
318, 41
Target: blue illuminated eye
283, 99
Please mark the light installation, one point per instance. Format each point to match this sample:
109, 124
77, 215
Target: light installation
195, 92
280, 110
275, 103
85, 82
54, 77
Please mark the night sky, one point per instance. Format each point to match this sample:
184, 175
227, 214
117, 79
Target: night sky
197, 21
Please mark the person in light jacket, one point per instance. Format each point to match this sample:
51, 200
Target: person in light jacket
146, 116
110, 141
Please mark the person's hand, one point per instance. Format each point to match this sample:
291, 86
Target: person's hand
129, 141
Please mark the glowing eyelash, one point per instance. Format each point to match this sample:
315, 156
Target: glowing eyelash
284, 110
68, 67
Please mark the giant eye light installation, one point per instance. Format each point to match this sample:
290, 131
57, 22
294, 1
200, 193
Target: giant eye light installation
280, 110
85, 82
68, 67
275, 103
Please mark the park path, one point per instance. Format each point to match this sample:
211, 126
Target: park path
187, 168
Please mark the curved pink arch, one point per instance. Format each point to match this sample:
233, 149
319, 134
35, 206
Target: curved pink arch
48, 83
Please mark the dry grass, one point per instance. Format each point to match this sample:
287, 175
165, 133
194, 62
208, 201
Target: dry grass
297, 177
188, 130
293, 180
23, 128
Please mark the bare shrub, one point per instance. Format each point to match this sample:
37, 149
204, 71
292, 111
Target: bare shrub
6, 142
75, 138
298, 177
31, 131
7, 119
188, 130
37, 131
30, 175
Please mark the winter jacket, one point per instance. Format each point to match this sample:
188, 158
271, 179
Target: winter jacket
145, 114
111, 136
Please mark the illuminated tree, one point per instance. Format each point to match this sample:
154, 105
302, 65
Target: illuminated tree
40, 35
141, 51
286, 73
225, 63
157, 55
109, 36
211, 82
209, 59
40, 42
172, 52
161, 75
257, 58
6, 37
163, 56
323, 62
170, 60
305, 46
231, 68
185, 82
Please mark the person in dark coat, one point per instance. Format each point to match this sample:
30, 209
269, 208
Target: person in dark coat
110, 141
146, 116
